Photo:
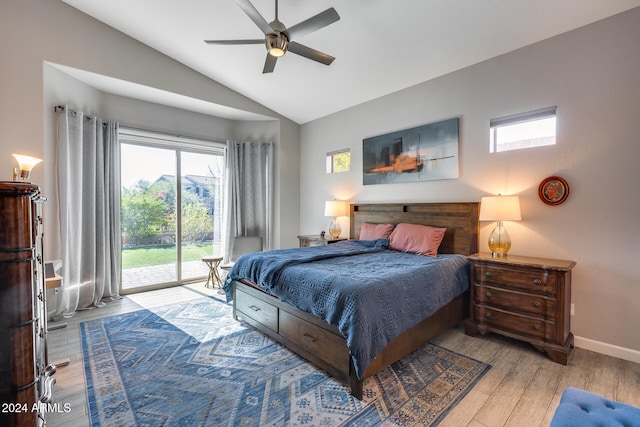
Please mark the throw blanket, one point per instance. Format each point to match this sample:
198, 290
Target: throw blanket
371, 294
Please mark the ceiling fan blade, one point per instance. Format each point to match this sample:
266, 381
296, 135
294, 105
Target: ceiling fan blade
235, 42
314, 23
269, 64
312, 54
255, 16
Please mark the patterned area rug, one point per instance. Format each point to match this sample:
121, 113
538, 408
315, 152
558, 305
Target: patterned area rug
191, 364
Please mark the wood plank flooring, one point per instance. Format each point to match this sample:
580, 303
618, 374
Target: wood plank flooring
522, 388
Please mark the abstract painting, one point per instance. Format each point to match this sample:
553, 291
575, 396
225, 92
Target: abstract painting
423, 153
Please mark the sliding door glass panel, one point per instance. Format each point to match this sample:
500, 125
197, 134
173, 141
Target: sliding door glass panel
201, 211
148, 215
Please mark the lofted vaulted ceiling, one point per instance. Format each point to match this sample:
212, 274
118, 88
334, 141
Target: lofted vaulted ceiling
381, 46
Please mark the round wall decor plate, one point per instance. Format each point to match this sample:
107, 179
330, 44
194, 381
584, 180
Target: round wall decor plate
553, 190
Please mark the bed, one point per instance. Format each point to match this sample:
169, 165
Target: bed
327, 337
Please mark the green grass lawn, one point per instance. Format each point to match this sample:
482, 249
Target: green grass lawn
158, 255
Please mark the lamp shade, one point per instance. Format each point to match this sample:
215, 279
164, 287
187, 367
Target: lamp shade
500, 208
335, 208
25, 164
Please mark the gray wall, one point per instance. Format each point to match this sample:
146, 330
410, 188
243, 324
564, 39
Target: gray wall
34, 33
591, 74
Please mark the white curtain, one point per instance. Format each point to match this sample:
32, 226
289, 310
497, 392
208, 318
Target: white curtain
249, 192
89, 192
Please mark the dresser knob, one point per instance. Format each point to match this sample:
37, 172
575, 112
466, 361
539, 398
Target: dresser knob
537, 282
488, 274
537, 304
487, 294
536, 327
488, 315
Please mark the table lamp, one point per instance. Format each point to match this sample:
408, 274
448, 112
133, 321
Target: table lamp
500, 208
25, 164
335, 208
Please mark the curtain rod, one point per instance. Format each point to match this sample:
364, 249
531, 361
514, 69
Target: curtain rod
63, 108
124, 127
133, 130
86, 117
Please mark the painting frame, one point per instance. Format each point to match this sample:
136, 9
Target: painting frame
422, 153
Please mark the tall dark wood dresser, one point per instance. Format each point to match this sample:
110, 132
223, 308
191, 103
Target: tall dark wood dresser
26, 381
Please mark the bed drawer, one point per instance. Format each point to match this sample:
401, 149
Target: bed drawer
258, 310
325, 345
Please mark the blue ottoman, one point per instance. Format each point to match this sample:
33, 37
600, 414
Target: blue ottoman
582, 408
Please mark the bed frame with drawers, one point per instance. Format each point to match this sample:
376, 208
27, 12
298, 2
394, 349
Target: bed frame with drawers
321, 343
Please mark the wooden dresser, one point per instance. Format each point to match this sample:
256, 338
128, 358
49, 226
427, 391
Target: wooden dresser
25, 373
524, 298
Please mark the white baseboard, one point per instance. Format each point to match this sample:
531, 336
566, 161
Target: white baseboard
608, 349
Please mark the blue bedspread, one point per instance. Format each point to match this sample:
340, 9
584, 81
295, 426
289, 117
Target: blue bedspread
371, 294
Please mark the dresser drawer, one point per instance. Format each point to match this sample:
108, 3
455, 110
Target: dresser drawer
321, 343
515, 323
256, 309
516, 301
539, 281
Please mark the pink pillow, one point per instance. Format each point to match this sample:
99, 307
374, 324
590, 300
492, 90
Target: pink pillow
375, 231
415, 238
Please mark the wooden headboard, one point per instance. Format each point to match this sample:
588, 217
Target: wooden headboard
460, 220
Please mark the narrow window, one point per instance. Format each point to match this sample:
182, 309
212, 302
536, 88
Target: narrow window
339, 161
526, 130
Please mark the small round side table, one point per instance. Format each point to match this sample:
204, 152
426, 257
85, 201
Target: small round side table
214, 277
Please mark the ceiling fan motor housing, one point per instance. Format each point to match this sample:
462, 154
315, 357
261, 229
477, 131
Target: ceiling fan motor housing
276, 44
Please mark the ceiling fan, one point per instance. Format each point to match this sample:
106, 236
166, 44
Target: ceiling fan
279, 39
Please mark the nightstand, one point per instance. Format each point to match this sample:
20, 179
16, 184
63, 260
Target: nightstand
317, 240
524, 298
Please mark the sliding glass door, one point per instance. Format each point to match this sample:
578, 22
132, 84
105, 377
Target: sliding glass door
171, 209
201, 211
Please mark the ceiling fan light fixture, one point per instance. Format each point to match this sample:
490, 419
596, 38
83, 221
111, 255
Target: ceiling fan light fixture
276, 44
276, 51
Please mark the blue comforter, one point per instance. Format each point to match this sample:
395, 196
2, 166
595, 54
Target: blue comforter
371, 294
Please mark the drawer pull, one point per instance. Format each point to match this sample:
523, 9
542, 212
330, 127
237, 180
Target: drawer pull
308, 338
537, 282
254, 308
487, 294
488, 274
537, 304
488, 315
536, 327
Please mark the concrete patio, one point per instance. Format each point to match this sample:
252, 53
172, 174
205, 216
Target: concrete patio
146, 276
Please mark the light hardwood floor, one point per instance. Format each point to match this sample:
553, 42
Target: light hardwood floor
522, 388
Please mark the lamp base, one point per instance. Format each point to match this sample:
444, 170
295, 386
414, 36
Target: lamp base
20, 175
499, 241
334, 228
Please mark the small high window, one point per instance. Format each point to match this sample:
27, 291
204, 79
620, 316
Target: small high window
525, 130
339, 161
